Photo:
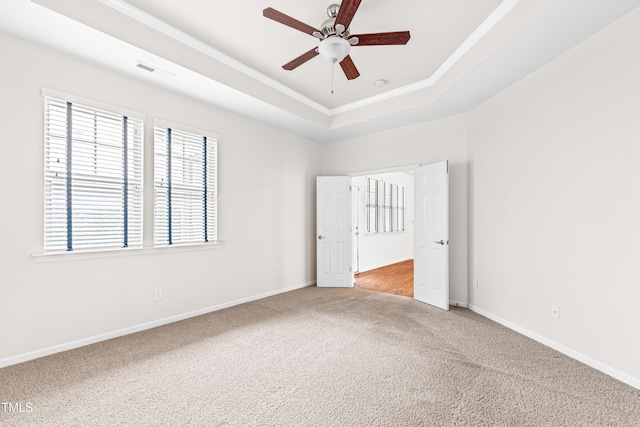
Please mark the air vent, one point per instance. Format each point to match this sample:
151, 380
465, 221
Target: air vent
154, 70
145, 67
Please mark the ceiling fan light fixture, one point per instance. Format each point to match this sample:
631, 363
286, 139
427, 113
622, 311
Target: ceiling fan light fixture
334, 49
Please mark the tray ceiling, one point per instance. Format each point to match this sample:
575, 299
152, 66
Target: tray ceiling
461, 52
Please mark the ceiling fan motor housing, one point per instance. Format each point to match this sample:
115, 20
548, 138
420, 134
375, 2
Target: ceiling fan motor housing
334, 46
328, 27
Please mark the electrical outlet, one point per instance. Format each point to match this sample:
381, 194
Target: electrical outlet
157, 294
555, 311
475, 285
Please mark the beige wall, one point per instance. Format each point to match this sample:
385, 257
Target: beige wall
555, 201
266, 209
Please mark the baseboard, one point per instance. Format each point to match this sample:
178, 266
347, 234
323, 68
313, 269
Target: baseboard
25, 357
620, 376
458, 304
384, 266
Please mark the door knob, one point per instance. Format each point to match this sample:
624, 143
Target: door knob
320, 237
441, 242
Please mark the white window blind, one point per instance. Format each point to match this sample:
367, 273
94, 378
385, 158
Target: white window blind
93, 178
401, 209
185, 186
385, 207
372, 205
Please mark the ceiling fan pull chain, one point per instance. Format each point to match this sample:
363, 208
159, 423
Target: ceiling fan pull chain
333, 72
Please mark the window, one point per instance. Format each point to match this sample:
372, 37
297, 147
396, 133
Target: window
93, 178
185, 186
372, 205
385, 207
400, 210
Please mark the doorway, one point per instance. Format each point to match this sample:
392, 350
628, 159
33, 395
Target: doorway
334, 227
383, 231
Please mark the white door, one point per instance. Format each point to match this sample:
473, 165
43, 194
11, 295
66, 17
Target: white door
333, 228
431, 254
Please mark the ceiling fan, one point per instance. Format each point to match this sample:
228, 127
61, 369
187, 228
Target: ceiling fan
335, 36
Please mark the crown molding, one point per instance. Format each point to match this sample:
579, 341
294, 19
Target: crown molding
174, 33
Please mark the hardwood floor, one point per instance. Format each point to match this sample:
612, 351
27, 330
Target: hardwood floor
391, 279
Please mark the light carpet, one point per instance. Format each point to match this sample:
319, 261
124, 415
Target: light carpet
318, 357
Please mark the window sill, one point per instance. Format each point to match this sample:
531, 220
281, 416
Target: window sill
109, 253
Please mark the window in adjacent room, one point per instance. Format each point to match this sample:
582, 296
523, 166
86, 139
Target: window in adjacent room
372, 205
400, 209
385, 207
93, 177
185, 185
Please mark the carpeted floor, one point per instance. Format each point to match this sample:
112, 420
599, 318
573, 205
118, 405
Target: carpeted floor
318, 357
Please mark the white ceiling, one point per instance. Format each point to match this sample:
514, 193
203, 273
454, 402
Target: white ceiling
461, 52
240, 31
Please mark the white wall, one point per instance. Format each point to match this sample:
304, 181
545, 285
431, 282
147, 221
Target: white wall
266, 212
380, 249
555, 201
425, 143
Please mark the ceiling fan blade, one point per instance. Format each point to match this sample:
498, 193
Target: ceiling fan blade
288, 21
349, 68
301, 59
377, 39
347, 9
